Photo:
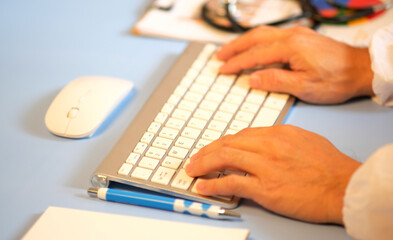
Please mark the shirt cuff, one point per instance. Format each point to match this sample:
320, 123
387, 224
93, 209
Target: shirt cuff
368, 201
381, 52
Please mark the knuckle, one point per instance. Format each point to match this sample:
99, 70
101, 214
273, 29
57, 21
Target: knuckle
224, 153
227, 140
301, 29
231, 182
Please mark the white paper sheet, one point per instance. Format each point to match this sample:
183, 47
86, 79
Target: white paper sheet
183, 22
64, 223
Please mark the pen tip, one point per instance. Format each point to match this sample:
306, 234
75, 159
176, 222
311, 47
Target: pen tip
230, 213
92, 192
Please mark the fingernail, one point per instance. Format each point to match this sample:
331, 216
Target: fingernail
254, 80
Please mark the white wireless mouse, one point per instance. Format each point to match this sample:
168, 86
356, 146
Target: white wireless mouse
83, 104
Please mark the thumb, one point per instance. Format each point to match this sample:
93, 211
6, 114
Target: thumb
276, 80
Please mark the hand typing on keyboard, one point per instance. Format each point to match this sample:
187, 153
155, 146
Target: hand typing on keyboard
291, 171
322, 70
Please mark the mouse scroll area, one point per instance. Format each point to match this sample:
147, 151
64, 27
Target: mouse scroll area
73, 113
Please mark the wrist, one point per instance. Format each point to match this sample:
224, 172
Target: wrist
363, 73
337, 191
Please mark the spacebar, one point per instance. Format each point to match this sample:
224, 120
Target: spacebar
266, 117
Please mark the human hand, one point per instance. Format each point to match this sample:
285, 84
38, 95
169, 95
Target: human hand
322, 70
291, 171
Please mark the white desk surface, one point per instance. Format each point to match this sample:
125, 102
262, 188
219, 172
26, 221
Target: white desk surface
45, 44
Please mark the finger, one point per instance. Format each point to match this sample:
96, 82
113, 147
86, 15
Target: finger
243, 140
225, 158
262, 34
241, 186
260, 55
279, 80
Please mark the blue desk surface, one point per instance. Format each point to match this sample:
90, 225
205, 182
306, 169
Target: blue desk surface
45, 44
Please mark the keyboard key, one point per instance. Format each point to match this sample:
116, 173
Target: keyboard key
191, 75
163, 175
161, 142
184, 142
147, 137
161, 117
238, 125
140, 148
181, 114
231, 132
191, 132
189, 78
141, 173
180, 90
167, 108
193, 97
220, 88
235, 99
214, 96
214, 63
217, 125
241, 86
154, 127
227, 80
198, 64
169, 133
148, 163
209, 71
133, 158
187, 105
256, 96
276, 100
244, 116
175, 123
208, 50
201, 143
182, 180
249, 107
197, 123
195, 150
199, 88
174, 99
266, 117
156, 153
223, 116
125, 169
208, 105
205, 80
211, 135
203, 114
171, 162
178, 152
228, 107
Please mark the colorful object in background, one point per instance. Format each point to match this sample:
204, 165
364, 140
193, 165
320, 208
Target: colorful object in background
336, 8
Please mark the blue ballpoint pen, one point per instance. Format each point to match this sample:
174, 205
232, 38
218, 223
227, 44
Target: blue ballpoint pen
162, 202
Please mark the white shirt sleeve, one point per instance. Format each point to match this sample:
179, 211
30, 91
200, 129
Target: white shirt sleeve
368, 201
381, 53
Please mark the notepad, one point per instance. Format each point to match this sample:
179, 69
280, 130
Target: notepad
64, 223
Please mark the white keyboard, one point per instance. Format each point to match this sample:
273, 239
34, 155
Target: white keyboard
203, 107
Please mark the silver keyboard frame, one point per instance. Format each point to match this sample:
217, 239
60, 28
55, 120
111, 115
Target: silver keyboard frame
107, 171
